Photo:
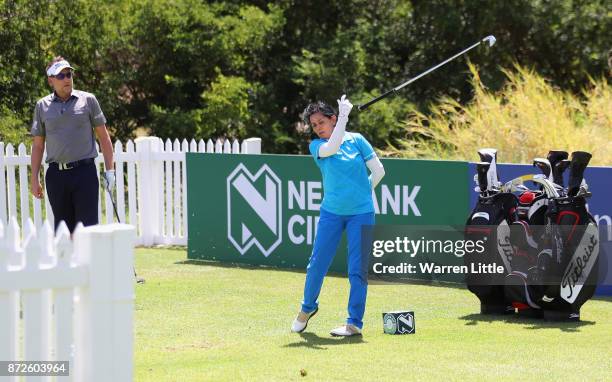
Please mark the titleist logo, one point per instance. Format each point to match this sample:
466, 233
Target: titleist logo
577, 270
506, 247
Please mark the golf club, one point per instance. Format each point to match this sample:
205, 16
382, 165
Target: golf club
541, 179
558, 170
482, 168
545, 166
490, 39
490, 156
558, 164
579, 162
139, 280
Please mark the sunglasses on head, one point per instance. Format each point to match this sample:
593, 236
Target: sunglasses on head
61, 76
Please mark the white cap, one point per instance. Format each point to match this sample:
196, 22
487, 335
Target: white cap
57, 67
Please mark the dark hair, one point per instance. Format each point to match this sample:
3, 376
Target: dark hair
56, 59
317, 107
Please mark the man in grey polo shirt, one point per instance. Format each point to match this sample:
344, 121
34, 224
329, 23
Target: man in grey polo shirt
66, 121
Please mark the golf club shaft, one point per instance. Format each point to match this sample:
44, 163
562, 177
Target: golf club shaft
114, 207
395, 89
117, 216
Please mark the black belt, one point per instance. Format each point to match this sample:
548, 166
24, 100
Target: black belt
71, 165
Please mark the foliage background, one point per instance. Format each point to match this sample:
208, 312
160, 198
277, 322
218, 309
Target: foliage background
187, 68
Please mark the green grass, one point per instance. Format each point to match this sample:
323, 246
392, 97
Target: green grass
215, 322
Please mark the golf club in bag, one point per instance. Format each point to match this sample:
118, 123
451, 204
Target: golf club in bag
489, 39
553, 166
489, 222
558, 163
139, 280
548, 242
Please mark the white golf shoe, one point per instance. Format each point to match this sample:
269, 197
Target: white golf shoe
346, 331
301, 321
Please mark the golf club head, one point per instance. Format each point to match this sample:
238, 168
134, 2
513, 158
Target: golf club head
482, 170
579, 162
489, 155
544, 166
554, 157
584, 190
546, 185
558, 171
521, 188
490, 39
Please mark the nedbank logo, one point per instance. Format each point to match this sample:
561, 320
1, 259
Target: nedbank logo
254, 209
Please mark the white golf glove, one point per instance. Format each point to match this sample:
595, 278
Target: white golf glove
333, 144
344, 107
108, 180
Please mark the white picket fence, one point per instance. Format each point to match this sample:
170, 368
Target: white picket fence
151, 186
68, 300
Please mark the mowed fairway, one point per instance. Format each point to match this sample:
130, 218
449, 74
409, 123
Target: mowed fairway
215, 322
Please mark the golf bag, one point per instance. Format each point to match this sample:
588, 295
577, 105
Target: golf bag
552, 256
489, 223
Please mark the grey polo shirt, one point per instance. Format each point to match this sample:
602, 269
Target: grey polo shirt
68, 127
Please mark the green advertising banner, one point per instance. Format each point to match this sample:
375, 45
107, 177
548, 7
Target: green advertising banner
263, 209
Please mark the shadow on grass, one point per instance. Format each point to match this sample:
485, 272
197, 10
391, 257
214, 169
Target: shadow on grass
313, 341
474, 319
219, 264
372, 280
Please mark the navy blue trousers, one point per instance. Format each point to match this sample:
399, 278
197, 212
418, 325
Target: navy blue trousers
73, 194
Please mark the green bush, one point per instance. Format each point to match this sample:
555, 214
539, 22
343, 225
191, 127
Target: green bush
525, 120
12, 128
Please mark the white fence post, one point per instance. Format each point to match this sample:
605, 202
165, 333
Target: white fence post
24, 186
105, 308
11, 192
227, 147
131, 185
251, 146
64, 298
36, 304
3, 201
149, 184
9, 300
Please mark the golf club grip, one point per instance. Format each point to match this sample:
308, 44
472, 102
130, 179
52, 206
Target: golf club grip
373, 101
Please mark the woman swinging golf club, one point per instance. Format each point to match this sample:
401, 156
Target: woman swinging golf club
347, 205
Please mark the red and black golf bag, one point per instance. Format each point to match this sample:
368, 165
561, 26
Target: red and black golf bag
553, 245
563, 275
489, 223
528, 238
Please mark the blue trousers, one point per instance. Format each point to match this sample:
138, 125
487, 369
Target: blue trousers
329, 232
